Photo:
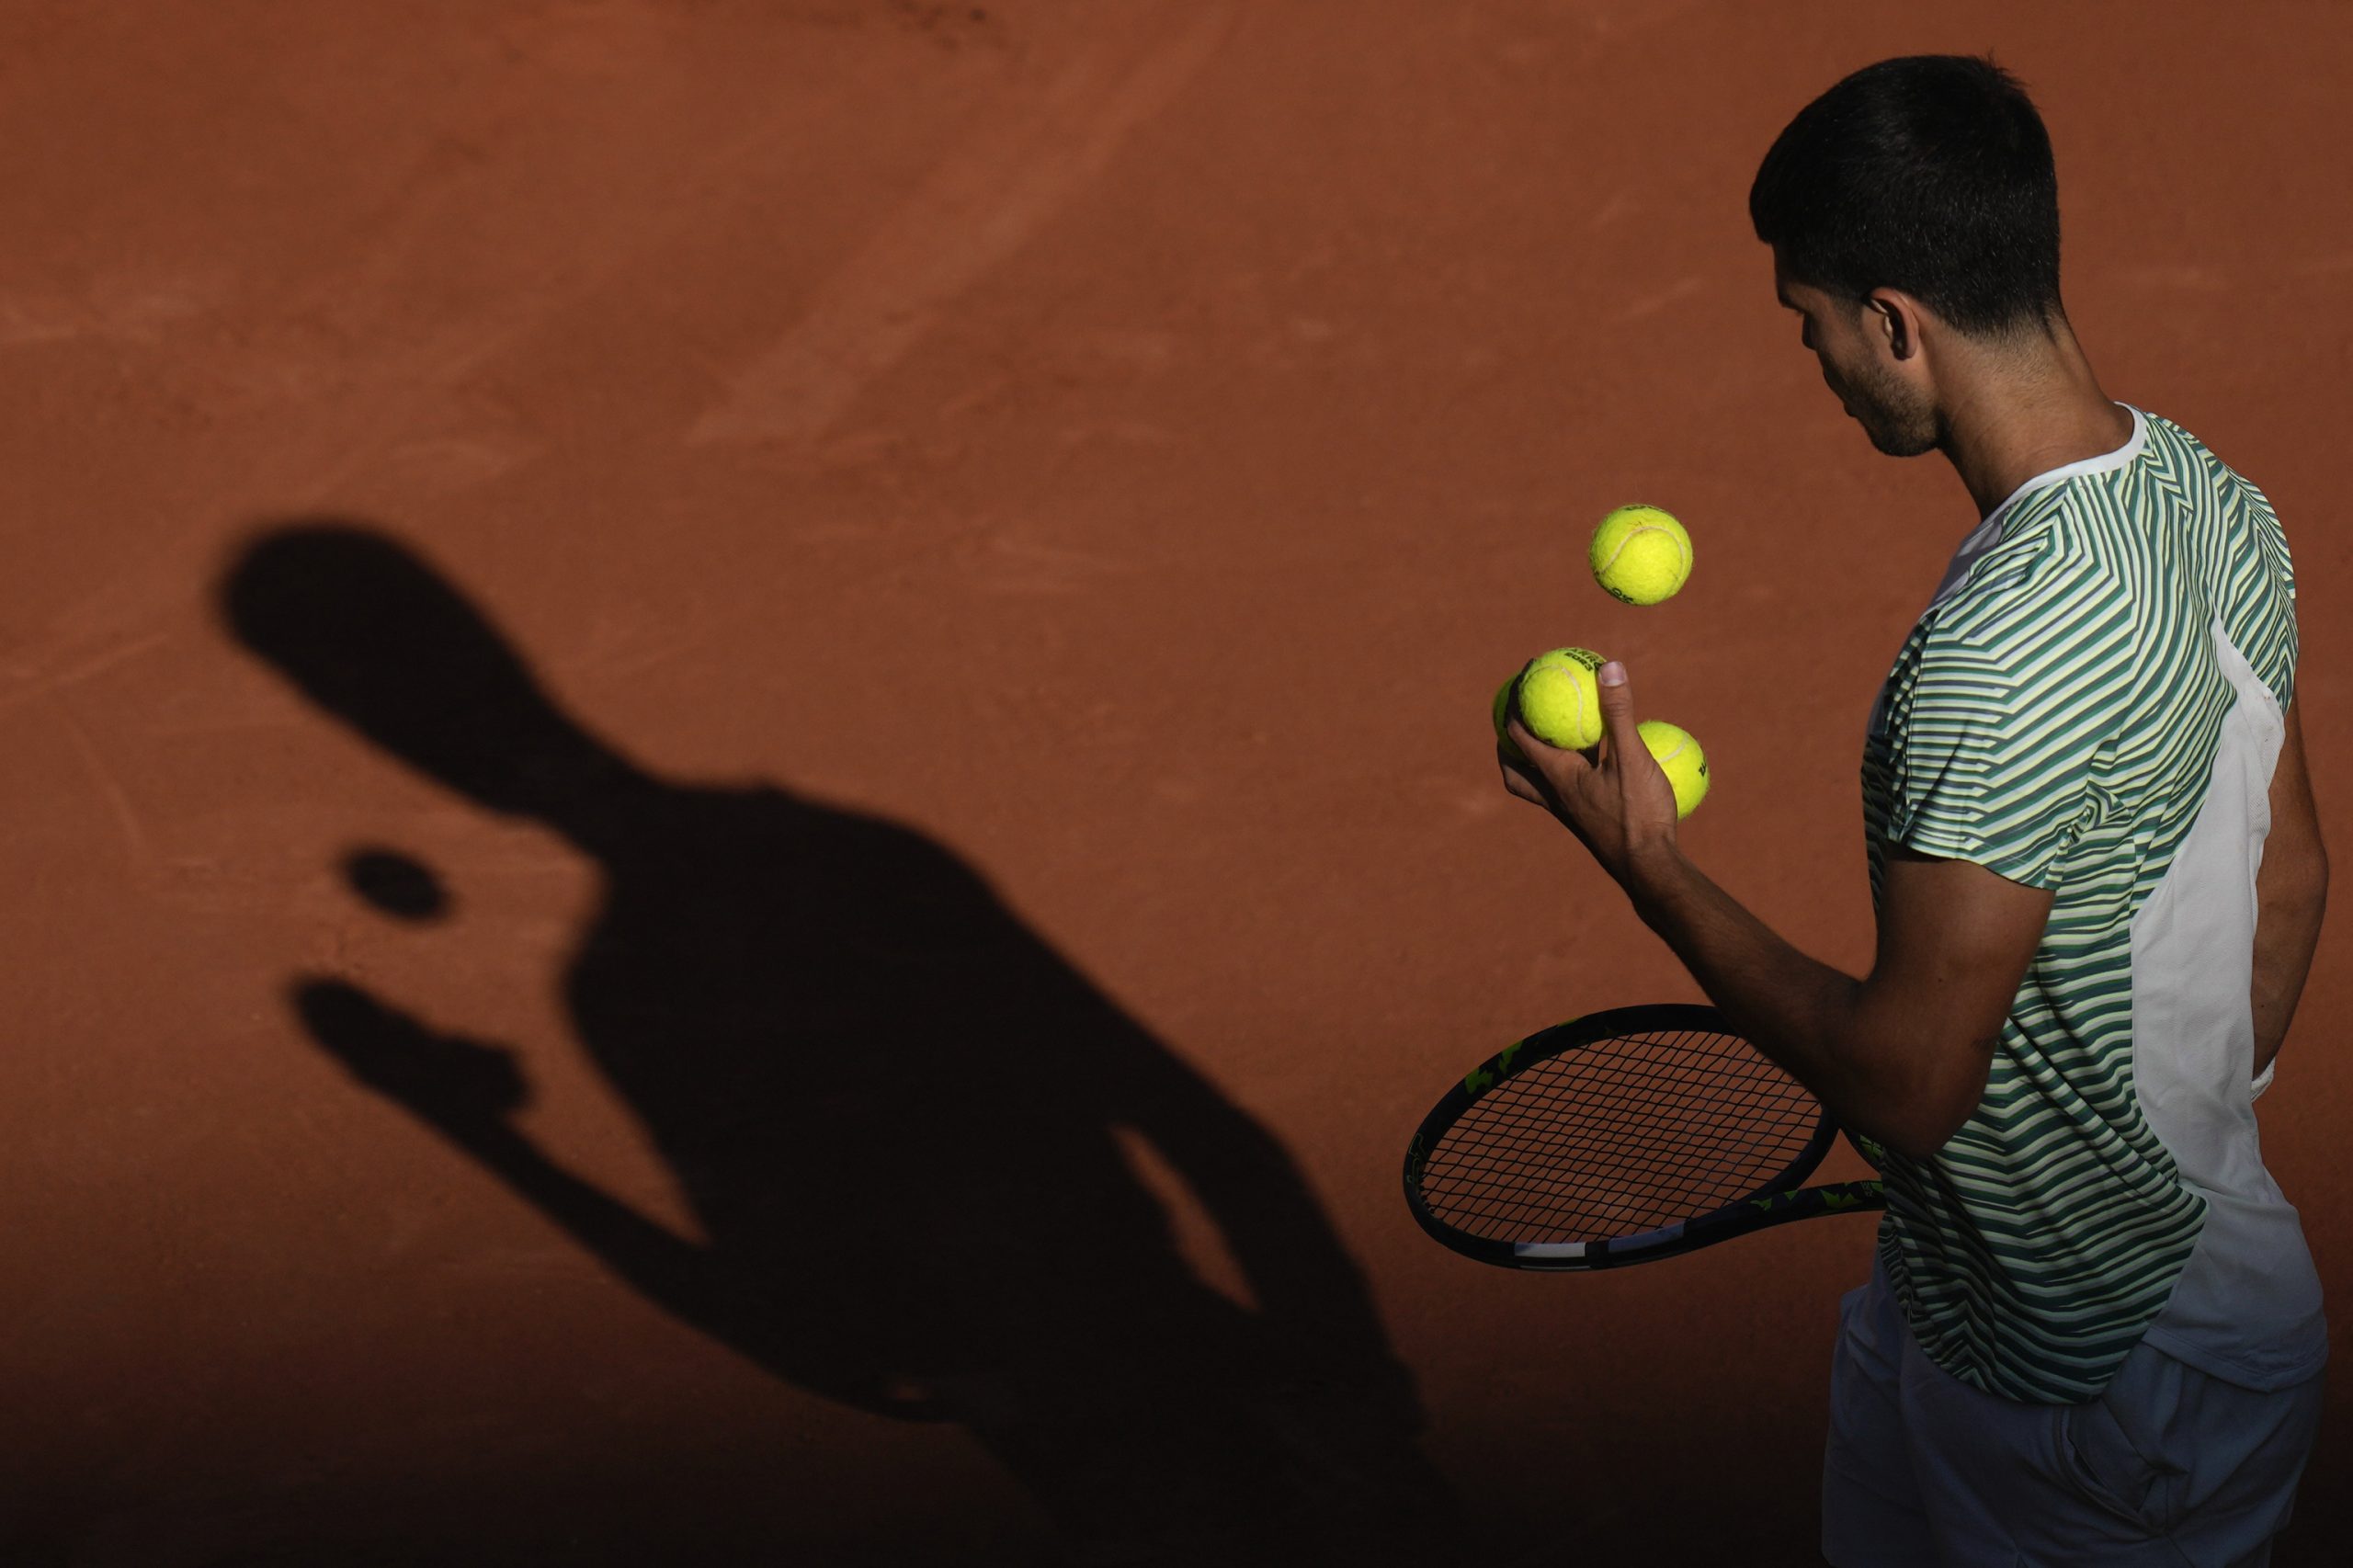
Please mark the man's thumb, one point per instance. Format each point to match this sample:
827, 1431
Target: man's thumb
1618, 708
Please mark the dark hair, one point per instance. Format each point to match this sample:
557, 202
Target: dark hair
1931, 174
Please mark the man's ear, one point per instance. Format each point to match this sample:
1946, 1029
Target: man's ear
1896, 321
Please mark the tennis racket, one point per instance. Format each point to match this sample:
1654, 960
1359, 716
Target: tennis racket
1621, 1137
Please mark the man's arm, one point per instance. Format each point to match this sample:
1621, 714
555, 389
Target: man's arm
1901, 1055
2291, 892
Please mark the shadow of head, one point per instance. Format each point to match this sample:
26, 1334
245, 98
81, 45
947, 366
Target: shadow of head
376, 638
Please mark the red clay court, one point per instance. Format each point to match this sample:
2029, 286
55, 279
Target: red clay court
748, 785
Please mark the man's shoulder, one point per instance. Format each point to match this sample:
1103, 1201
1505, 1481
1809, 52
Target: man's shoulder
2180, 471
2055, 563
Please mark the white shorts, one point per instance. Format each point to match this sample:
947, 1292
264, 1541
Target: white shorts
2168, 1466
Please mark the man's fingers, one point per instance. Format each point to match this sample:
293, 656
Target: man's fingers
1539, 772
1518, 773
1520, 784
1530, 749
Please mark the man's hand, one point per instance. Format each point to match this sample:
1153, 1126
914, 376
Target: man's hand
1616, 799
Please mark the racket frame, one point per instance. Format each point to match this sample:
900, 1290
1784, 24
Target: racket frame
1777, 1202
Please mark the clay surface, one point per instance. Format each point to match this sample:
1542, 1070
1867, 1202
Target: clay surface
745, 754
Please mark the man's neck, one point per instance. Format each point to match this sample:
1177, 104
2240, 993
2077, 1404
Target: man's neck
2024, 412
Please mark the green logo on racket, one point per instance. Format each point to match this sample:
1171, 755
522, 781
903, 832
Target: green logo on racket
1481, 1079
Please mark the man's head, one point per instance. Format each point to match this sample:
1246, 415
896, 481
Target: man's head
1914, 215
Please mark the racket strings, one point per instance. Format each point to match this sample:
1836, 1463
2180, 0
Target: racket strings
1620, 1136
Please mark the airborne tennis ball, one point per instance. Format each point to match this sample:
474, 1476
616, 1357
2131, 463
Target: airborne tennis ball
1681, 758
1641, 554
1558, 698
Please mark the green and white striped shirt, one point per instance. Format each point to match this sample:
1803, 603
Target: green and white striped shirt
2103, 670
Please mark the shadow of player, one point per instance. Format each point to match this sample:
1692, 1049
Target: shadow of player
895, 1111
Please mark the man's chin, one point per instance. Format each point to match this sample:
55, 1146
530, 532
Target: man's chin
1895, 443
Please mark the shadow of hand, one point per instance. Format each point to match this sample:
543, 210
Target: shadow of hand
454, 1084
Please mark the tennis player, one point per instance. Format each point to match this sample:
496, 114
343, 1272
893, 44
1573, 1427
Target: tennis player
2092, 1334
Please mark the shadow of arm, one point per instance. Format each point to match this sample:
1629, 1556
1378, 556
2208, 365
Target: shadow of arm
1298, 1269
467, 1092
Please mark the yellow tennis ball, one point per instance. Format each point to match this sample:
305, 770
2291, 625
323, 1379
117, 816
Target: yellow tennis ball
1558, 698
1679, 756
1641, 554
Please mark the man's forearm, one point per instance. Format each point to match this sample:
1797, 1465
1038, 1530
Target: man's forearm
1800, 1012
2287, 930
